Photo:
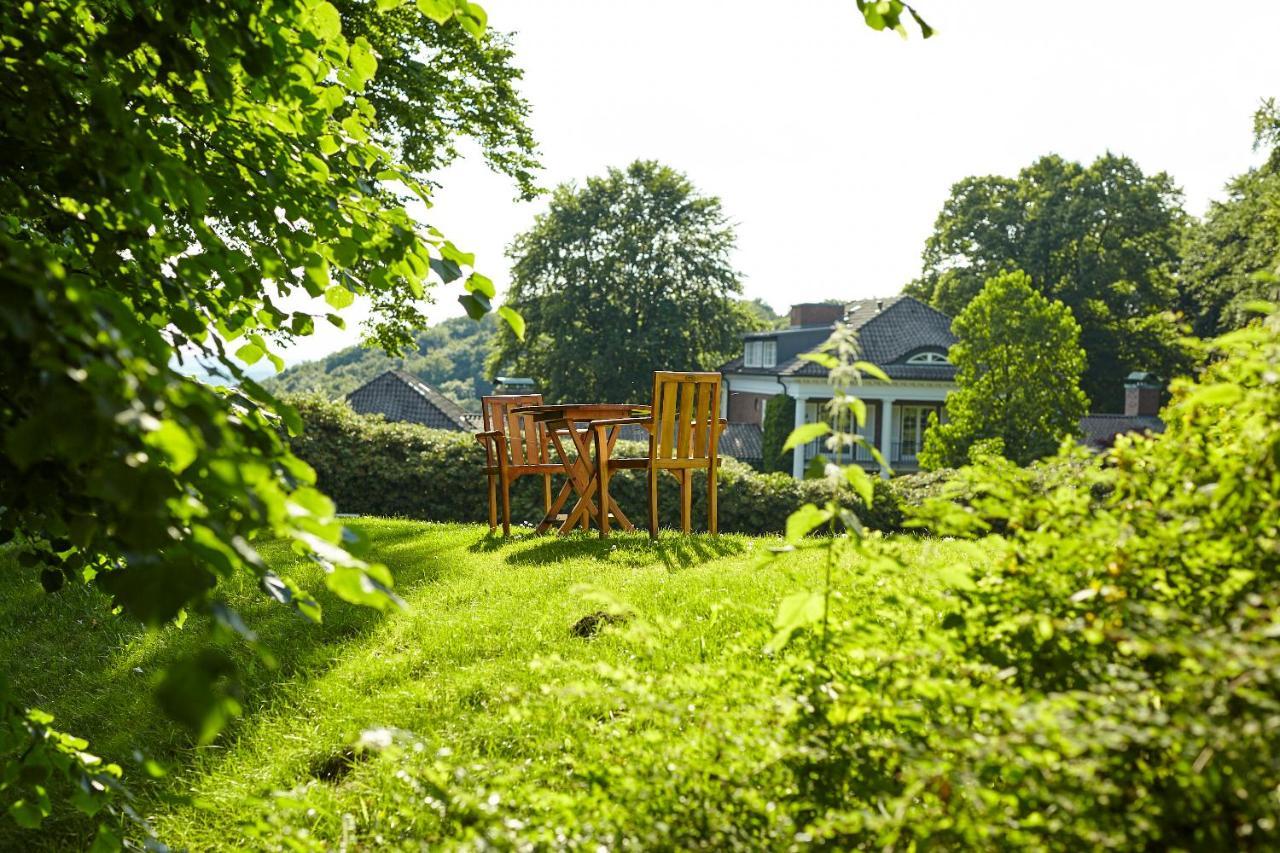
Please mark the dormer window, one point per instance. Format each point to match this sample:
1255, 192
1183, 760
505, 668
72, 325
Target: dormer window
930, 357
761, 353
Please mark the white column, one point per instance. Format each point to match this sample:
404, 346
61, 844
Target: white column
797, 465
886, 435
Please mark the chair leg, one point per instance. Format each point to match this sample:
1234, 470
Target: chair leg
713, 518
493, 503
602, 476
653, 501
506, 507
546, 494
686, 499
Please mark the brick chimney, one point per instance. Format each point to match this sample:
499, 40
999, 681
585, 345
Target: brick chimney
816, 314
1141, 394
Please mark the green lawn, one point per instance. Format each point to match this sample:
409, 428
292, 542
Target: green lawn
502, 722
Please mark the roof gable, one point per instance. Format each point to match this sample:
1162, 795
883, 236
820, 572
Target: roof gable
401, 396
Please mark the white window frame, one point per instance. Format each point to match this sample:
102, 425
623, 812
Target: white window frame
760, 353
930, 357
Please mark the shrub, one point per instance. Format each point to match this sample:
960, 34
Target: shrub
779, 418
371, 467
1109, 680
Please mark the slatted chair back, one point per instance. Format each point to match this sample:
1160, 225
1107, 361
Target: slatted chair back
686, 409
523, 438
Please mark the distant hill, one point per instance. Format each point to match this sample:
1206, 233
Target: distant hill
449, 355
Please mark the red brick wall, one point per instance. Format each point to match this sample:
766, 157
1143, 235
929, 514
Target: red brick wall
815, 314
746, 408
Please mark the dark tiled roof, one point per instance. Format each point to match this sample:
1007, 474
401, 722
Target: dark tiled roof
401, 396
889, 331
1101, 430
744, 442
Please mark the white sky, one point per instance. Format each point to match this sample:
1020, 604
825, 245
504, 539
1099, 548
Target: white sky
832, 146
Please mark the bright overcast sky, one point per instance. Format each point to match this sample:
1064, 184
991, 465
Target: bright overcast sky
833, 147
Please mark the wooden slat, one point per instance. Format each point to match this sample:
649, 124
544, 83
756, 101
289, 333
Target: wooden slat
685, 415
702, 418
513, 438
532, 452
666, 429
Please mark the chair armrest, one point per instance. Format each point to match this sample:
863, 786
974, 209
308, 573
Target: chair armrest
482, 437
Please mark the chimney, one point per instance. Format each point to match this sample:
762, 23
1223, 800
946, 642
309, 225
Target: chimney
816, 314
1141, 394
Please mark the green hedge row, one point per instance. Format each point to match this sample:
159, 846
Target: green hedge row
372, 467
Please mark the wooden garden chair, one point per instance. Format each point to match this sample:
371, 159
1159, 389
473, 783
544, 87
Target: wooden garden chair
684, 436
514, 446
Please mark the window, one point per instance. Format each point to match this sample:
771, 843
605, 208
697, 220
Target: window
761, 354
930, 357
816, 411
911, 422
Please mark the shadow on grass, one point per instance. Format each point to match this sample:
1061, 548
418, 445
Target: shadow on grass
96, 671
675, 552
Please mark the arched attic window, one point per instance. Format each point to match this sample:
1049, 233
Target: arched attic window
929, 357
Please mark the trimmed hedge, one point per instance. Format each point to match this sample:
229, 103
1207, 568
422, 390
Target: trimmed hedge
372, 467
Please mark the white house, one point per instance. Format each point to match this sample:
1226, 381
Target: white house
905, 338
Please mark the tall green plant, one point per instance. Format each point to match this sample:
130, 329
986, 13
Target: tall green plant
779, 418
1018, 366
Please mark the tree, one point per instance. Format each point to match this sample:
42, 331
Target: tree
172, 173
1231, 257
779, 419
1019, 365
621, 277
439, 83
1103, 239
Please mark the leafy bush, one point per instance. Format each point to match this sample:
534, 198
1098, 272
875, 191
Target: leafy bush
779, 418
1111, 679
371, 467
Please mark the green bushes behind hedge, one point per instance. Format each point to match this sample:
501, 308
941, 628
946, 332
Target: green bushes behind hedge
372, 467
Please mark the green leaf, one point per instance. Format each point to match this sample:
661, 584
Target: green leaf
804, 434
871, 370
861, 483
826, 359
362, 59
26, 814
326, 21
388, 5
439, 11
176, 442
339, 297
476, 305
250, 353
514, 320
477, 283
447, 270
106, 841
795, 612
804, 520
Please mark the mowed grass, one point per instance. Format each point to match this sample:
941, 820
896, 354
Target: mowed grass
485, 714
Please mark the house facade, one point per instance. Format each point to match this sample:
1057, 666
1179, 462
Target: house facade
902, 336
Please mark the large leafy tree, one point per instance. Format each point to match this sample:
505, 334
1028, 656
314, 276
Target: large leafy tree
173, 174
1230, 257
623, 276
1104, 239
1019, 365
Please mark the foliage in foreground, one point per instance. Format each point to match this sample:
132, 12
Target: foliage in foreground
1110, 679
1018, 367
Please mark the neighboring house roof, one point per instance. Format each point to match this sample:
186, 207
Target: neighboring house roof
1101, 430
890, 331
401, 396
744, 442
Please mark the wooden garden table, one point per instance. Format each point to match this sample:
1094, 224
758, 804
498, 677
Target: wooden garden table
561, 420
